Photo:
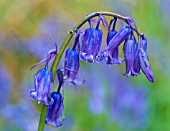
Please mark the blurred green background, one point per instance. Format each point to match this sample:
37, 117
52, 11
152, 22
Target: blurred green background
108, 101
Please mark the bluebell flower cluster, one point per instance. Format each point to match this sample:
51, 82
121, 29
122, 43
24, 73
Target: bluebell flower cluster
88, 47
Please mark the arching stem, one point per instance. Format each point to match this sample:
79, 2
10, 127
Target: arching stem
62, 49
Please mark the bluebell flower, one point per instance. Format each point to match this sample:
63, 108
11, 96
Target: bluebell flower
43, 85
142, 43
111, 52
54, 112
71, 65
145, 65
91, 43
114, 59
129, 51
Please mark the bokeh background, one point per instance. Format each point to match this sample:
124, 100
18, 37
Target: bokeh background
108, 101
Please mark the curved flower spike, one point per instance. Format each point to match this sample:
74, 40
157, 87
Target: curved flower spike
91, 43
43, 85
71, 65
54, 112
111, 51
145, 65
129, 56
49, 56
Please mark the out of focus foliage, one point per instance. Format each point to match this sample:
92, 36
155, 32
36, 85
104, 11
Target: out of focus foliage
107, 101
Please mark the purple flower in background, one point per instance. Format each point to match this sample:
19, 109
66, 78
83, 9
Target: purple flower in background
43, 85
129, 103
55, 110
91, 43
145, 65
114, 43
129, 47
5, 85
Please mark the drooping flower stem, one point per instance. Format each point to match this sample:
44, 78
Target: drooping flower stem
63, 47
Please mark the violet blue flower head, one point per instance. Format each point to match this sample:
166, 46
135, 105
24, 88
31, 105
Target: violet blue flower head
71, 65
54, 113
91, 43
145, 65
111, 51
129, 47
43, 85
115, 53
51, 54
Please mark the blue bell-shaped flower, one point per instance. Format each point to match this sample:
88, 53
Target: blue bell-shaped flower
54, 113
110, 54
43, 85
129, 52
71, 65
91, 43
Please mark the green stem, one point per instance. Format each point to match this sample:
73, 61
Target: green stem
42, 118
62, 49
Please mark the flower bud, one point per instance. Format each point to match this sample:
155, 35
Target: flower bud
145, 65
